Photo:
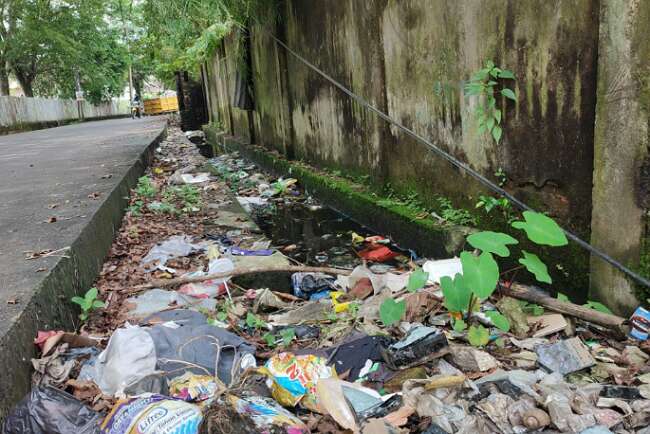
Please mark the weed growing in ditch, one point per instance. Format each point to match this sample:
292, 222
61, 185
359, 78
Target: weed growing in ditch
455, 216
463, 294
145, 187
88, 303
188, 197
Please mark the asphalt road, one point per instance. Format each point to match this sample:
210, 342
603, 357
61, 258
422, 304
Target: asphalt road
51, 183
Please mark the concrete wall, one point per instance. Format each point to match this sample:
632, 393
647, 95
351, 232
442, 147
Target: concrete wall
19, 111
410, 58
621, 194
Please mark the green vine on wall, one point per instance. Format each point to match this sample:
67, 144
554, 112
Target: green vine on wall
485, 85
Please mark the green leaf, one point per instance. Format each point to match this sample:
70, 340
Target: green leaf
459, 325
417, 280
269, 338
598, 306
78, 300
535, 266
504, 73
493, 242
508, 93
541, 229
496, 133
497, 116
391, 311
98, 304
563, 297
91, 294
288, 335
490, 123
222, 316
478, 336
456, 294
481, 274
499, 321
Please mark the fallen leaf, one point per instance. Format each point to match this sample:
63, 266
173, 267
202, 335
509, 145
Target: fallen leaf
51, 219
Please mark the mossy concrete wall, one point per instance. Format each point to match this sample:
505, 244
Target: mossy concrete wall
621, 194
410, 59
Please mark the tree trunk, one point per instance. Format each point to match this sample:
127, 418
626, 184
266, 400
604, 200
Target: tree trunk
4, 78
25, 83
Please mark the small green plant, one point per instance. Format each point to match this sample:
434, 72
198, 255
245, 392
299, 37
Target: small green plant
188, 196
391, 311
163, 208
462, 294
485, 85
145, 187
135, 209
255, 321
489, 203
589, 304
287, 335
417, 280
453, 215
88, 303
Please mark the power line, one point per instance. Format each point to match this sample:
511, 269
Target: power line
455, 162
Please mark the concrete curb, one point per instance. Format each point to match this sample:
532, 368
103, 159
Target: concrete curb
49, 308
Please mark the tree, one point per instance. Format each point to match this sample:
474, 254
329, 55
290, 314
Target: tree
54, 47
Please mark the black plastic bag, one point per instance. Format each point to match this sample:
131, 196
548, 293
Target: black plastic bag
47, 410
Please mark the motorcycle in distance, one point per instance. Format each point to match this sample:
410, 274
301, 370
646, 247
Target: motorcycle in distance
136, 111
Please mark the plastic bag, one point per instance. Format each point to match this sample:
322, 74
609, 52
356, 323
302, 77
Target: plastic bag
209, 288
266, 414
46, 410
155, 414
129, 357
293, 378
192, 387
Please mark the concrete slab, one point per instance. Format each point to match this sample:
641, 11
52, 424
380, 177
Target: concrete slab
80, 175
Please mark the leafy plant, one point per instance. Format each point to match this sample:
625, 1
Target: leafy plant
532, 308
391, 311
417, 280
288, 335
489, 203
145, 187
484, 84
163, 208
480, 276
597, 306
254, 321
88, 303
135, 209
188, 196
454, 215
478, 336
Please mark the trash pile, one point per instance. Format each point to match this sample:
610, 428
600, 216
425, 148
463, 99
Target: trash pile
175, 342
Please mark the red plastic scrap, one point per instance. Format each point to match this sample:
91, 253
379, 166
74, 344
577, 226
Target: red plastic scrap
378, 254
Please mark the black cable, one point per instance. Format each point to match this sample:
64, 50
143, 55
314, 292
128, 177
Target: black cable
482, 179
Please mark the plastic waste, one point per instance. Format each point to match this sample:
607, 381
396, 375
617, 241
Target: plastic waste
566, 356
312, 286
128, 357
154, 414
174, 247
441, 268
46, 410
209, 288
156, 300
248, 202
640, 324
359, 403
420, 344
192, 387
189, 178
352, 356
292, 378
378, 254
186, 342
236, 251
267, 414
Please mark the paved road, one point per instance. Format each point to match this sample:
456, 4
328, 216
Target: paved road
51, 173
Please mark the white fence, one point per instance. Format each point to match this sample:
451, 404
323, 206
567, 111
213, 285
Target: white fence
16, 111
